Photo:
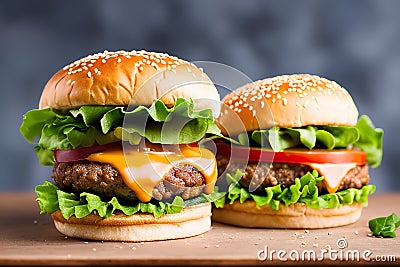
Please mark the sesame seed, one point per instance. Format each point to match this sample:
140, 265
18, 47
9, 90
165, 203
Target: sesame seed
119, 60
89, 74
284, 101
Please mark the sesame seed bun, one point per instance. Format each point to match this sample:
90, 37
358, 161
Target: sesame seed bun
122, 78
294, 216
287, 101
191, 221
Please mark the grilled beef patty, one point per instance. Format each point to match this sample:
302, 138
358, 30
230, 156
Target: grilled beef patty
103, 180
260, 175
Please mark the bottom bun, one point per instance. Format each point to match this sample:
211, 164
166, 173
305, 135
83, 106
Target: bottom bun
295, 216
191, 221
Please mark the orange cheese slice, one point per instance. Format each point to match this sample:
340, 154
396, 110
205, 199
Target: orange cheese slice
143, 170
334, 173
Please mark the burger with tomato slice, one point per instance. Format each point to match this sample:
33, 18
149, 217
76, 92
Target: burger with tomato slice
298, 156
121, 129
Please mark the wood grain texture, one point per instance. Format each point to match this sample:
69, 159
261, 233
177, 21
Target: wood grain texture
27, 238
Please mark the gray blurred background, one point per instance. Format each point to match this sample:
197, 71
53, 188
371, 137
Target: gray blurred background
356, 43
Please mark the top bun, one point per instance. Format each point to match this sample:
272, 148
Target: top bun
287, 101
122, 78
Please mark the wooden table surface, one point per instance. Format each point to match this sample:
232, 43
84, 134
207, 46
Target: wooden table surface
27, 238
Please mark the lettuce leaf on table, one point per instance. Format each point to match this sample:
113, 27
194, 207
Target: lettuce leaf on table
385, 226
304, 190
84, 127
364, 136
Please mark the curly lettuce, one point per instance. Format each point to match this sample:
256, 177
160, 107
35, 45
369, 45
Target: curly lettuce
88, 125
50, 199
363, 136
304, 190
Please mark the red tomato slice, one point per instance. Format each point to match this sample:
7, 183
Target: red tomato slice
82, 153
294, 156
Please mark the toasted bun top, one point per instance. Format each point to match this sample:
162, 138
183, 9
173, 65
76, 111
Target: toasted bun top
123, 78
287, 101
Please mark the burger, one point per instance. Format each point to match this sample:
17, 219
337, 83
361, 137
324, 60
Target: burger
121, 130
298, 154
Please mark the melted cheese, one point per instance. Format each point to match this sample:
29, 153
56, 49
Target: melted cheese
334, 173
143, 170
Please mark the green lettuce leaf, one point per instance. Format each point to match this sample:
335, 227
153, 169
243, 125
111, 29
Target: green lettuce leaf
215, 197
51, 199
385, 226
364, 136
370, 140
303, 190
84, 127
